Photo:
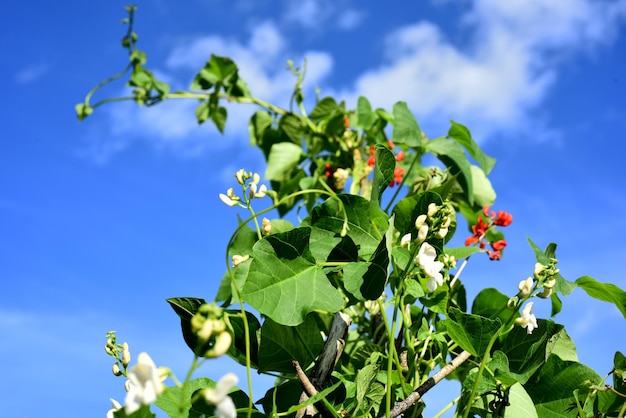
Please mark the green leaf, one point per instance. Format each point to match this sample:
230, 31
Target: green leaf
405, 127
237, 350
484, 195
218, 116
325, 107
452, 155
284, 281
283, 158
491, 303
471, 332
217, 70
281, 344
366, 280
385, 162
168, 401
553, 391
606, 292
186, 308
527, 353
292, 127
142, 412
461, 252
203, 112
521, 404
366, 222
463, 136
562, 345
365, 116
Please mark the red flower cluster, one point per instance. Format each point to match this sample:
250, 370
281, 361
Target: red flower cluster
501, 218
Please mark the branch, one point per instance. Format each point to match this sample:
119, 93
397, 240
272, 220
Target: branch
417, 394
324, 366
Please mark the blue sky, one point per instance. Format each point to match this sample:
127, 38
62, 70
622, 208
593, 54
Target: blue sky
101, 221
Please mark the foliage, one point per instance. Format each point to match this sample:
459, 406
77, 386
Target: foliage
362, 255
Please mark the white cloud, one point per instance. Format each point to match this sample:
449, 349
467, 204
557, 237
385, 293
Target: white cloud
31, 73
350, 19
494, 83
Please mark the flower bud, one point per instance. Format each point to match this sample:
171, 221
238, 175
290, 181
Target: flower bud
238, 259
512, 302
525, 287
125, 355
261, 192
422, 233
221, 346
549, 284
420, 221
252, 192
405, 240
240, 176
539, 268
256, 179
206, 331
547, 291
116, 369
432, 209
230, 201
446, 222
442, 233
267, 225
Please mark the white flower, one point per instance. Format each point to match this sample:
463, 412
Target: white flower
116, 406
432, 209
229, 198
224, 406
420, 221
145, 384
422, 233
525, 287
259, 192
426, 259
528, 319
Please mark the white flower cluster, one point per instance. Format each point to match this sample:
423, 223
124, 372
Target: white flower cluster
426, 259
252, 190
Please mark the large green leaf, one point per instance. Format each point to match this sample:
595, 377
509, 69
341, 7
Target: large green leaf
521, 404
471, 332
366, 280
527, 353
491, 303
606, 292
405, 127
463, 136
383, 172
285, 283
325, 107
281, 344
453, 156
484, 195
553, 391
283, 157
237, 350
367, 223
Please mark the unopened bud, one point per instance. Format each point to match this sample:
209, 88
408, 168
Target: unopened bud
261, 192
446, 222
442, 233
252, 192
238, 259
420, 221
512, 302
432, 209
405, 240
125, 355
267, 225
256, 179
539, 268
221, 346
116, 369
206, 331
239, 175
422, 233
525, 287
549, 284
547, 291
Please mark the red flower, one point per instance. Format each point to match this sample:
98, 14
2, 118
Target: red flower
503, 218
498, 245
371, 161
398, 172
328, 172
346, 121
495, 255
471, 240
400, 156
